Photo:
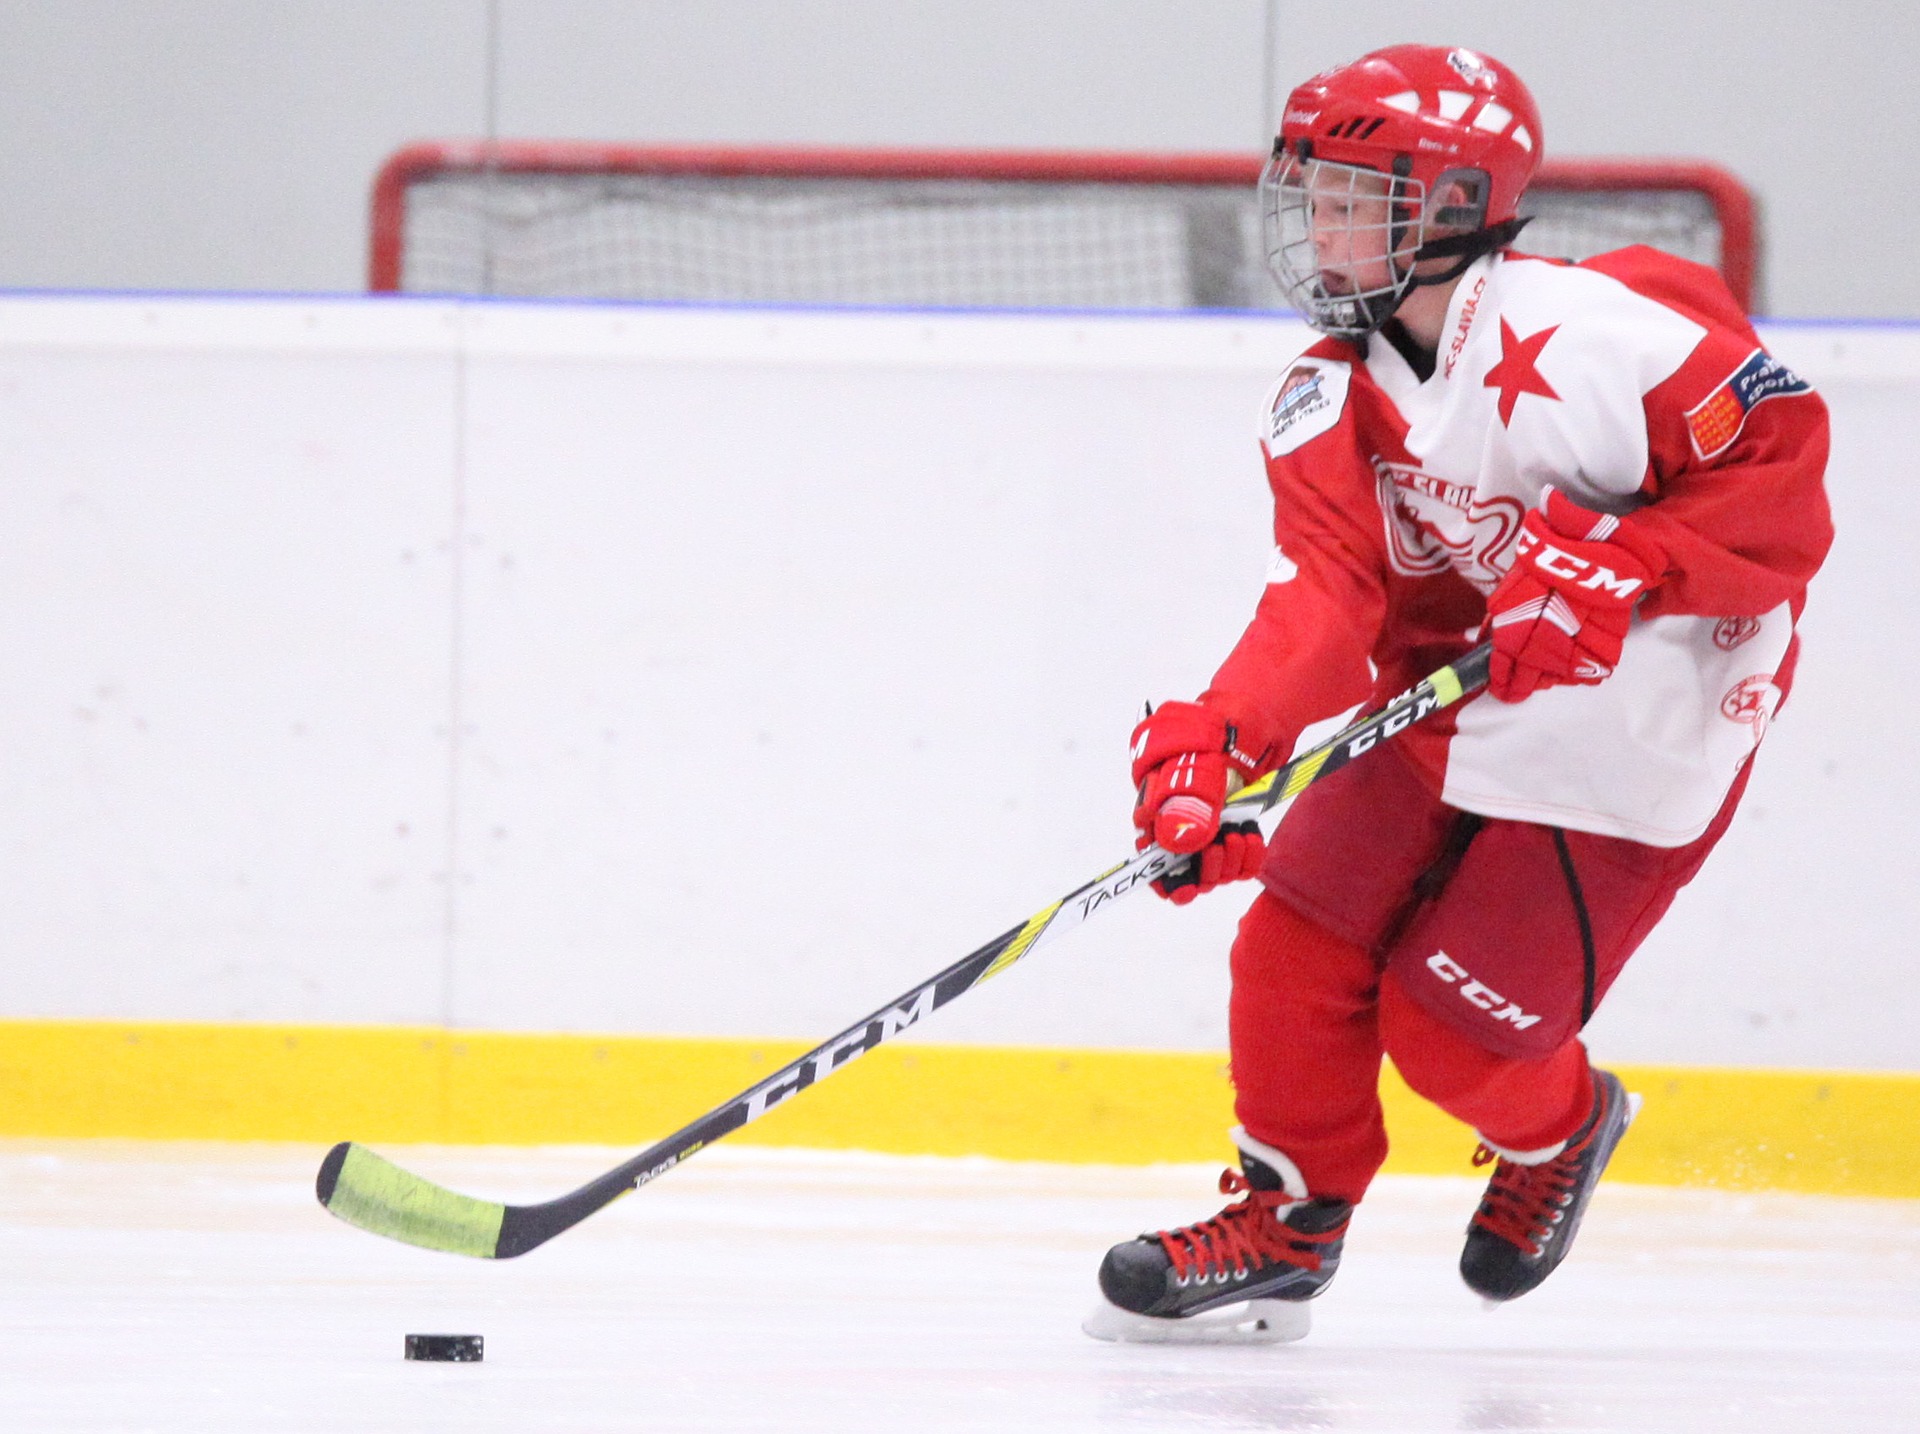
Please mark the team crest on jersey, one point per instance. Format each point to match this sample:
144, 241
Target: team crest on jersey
1718, 418
1307, 402
1435, 525
1752, 701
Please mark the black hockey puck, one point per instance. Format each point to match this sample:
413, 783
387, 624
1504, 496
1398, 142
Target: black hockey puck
447, 1348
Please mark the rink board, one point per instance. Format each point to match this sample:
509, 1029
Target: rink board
1810, 1131
408, 663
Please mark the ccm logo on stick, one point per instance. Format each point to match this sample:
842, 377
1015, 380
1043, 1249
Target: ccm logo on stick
1394, 725
830, 1058
1492, 1002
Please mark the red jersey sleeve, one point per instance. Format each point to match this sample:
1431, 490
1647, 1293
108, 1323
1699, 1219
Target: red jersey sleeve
1304, 657
1737, 452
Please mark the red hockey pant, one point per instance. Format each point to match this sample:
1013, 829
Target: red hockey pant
1311, 1016
1472, 951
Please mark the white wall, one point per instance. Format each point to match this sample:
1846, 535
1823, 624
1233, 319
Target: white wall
228, 144
611, 668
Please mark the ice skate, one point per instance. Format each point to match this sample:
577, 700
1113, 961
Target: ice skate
1527, 1219
1241, 1277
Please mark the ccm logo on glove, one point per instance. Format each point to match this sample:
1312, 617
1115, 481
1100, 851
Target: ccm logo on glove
1569, 567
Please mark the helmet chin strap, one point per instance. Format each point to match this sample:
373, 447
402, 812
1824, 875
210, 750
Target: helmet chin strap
1466, 248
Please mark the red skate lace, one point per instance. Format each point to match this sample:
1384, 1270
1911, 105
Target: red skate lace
1524, 1203
1250, 1232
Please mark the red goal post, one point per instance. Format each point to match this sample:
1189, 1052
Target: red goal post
960, 228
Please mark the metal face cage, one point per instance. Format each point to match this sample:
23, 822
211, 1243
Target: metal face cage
1341, 239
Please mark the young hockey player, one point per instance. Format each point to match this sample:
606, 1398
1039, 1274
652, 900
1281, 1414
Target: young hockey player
1597, 467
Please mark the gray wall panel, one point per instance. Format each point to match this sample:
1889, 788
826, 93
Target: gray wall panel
228, 144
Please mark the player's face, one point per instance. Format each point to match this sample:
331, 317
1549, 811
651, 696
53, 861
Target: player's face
1352, 228
1340, 239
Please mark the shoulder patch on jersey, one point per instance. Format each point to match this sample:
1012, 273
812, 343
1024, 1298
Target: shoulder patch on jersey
1717, 419
1306, 402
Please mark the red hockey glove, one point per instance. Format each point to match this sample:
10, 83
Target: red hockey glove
1187, 761
1560, 615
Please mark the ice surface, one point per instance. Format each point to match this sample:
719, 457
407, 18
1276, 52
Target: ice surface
176, 1287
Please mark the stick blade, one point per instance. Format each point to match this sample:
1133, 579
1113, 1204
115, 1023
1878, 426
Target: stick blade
376, 1195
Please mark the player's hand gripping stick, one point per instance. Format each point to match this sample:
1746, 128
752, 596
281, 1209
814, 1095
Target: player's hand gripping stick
1187, 761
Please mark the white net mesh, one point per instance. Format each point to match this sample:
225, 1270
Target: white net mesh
1574, 224
933, 242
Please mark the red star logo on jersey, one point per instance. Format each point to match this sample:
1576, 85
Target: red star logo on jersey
1516, 373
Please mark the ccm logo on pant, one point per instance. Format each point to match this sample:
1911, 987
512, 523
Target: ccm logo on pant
1492, 1002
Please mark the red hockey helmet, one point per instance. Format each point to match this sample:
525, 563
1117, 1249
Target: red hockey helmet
1410, 153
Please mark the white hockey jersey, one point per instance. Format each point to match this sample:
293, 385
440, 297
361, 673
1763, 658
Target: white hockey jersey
1633, 384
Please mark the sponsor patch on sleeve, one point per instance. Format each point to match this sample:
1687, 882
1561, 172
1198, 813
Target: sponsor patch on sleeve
1305, 403
1717, 419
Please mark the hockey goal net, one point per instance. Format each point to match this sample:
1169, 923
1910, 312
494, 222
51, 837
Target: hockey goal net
958, 229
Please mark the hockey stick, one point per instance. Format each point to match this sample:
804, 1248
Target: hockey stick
365, 1190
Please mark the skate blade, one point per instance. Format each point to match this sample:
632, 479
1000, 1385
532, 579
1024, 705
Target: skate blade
1249, 1322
